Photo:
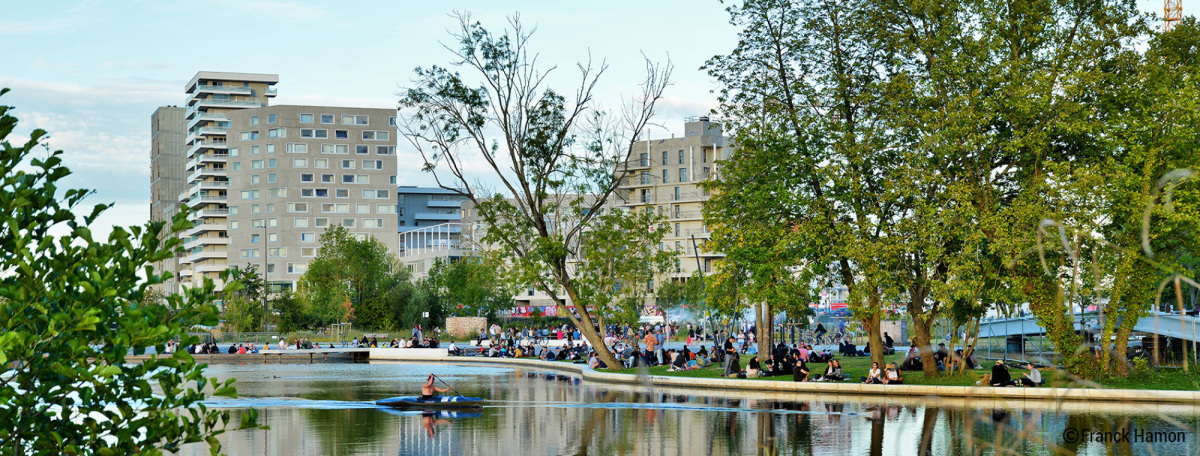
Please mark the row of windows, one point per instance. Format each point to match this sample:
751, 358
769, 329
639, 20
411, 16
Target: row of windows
666, 158
301, 148
281, 192
360, 208
321, 163
666, 176
329, 178
348, 119
318, 222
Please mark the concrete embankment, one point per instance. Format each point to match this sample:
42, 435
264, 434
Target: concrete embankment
972, 394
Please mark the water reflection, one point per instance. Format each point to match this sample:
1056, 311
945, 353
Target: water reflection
328, 409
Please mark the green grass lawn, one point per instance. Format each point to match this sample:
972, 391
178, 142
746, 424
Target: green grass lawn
857, 367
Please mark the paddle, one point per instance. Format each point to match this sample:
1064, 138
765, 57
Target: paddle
448, 385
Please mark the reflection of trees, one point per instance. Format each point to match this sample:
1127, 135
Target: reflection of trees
595, 420
766, 434
928, 423
877, 432
340, 429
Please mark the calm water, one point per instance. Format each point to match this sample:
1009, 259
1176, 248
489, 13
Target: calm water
327, 409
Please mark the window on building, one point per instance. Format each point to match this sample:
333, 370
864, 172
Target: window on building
253, 120
272, 223
249, 194
362, 179
270, 148
676, 193
681, 157
237, 166
306, 177
385, 150
385, 209
233, 224
320, 163
308, 237
299, 162
233, 151
272, 178
277, 252
253, 150
372, 135
348, 223
343, 193
361, 149
683, 174
249, 253
678, 231
327, 118
277, 192
341, 134
300, 222
297, 268
664, 159
270, 208
277, 132
361, 208
372, 164
272, 163
392, 121
677, 211
297, 148
355, 120
254, 179
665, 179
347, 178
372, 223
297, 207
320, 222
255, 238
347, 164
306, 118
270, 118
233, 210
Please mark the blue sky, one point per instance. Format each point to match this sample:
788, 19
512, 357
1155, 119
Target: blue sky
92, 72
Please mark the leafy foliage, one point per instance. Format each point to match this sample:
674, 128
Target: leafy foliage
354, 280
557, 160
74, 308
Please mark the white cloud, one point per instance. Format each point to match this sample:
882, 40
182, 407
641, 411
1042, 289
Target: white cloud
40, 26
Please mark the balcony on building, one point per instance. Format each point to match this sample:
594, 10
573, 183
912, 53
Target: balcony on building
205, 255
202, 145
192, 243
197, 116
427, 216
444, 204
206, 227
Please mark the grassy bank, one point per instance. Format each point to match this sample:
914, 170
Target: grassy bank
857, 367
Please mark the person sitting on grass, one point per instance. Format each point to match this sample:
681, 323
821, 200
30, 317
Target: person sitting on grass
680, 362
833, 372
1031, 378
754, 369
1000, 376
893, 377
873, 375
800, 371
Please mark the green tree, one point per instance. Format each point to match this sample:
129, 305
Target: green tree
292, 313
615, 262
472, 285
243, 307
75, 307
683, 296
555, 160
353, 279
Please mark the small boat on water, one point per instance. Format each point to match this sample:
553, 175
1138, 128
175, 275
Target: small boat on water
435, 402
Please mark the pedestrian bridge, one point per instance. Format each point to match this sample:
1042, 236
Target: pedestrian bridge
1172, 325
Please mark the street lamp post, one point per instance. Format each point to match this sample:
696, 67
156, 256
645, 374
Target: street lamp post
264, 276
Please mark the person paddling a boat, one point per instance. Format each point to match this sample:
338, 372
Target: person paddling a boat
427, 389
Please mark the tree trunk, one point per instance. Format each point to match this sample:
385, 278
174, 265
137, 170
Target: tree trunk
586, 326
874, 339
922, 336
764, 329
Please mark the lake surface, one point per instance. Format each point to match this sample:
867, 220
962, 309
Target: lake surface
328, 409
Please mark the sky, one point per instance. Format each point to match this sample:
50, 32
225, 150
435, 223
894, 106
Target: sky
92, 72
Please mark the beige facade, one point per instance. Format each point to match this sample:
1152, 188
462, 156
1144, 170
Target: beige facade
295, 171
167, 158
663, 177
212, 98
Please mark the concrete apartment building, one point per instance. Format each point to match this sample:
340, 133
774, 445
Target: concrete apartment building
297, 170
430, 226
167, 157
263, 181
662, 177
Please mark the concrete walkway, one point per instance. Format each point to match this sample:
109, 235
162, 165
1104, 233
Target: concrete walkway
971, 393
